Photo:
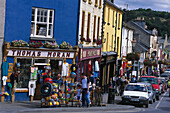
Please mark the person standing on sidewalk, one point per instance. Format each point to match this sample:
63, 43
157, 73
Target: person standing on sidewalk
85, 90
91, 82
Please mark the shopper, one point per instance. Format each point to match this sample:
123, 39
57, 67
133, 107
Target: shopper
91, 82
85, 90
58, 79
118, 84
79, 94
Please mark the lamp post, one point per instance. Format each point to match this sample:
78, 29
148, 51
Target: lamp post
133, 50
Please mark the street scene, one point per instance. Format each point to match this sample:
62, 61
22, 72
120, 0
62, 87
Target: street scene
74, 56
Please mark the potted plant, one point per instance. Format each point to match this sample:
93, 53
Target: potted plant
35, 44
99, 41
51, 44
65, 45
19, 43
88, 40
82, 39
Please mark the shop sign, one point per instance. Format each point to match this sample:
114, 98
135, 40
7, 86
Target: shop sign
110, 58
90, 53
50, 54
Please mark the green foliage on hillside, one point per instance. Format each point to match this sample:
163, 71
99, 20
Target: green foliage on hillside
154, 19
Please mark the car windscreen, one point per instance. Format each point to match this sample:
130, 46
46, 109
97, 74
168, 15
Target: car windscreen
135, 88
164, 75
149, 88
149, 80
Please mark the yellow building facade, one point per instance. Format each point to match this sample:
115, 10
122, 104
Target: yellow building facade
112, 28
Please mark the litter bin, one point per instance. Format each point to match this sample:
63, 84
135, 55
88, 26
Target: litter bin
111, 96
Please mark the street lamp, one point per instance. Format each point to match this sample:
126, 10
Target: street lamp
133, 44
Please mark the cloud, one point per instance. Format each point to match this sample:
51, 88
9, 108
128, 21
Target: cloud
159, 5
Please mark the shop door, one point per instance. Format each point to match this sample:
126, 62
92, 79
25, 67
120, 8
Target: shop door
38, 84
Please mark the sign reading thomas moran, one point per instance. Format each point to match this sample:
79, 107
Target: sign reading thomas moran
36, 53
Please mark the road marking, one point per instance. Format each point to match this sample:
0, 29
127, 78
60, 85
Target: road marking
160, 101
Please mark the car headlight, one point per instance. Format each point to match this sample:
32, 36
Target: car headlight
143, 98
126, 96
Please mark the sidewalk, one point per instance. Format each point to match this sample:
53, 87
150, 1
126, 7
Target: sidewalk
35, 107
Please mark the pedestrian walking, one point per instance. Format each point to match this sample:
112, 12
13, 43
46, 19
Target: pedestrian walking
118, 83
85, 90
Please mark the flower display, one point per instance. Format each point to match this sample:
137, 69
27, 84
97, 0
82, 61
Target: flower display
88, 40
94, 40
82, 39
65, 45
99, 41
133, 56
19, 43
51, 44
35, 44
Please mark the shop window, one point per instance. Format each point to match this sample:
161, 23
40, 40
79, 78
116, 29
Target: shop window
42, 23
23, 69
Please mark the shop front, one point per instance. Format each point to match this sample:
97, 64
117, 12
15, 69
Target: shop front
30, 65
89, 60
108, 65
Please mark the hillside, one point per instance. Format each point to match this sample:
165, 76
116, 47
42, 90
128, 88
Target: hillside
154, 19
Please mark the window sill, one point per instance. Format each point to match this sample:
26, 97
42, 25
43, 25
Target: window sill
42, 39
18, 90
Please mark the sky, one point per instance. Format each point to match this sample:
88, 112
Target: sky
158, 5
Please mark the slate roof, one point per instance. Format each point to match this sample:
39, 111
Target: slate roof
112, 4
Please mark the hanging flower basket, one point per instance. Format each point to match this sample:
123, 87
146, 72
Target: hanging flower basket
35, 44
51, 44
154, 64
147, 62
65, 45
99, 41
19, 43
133, 56
160, 62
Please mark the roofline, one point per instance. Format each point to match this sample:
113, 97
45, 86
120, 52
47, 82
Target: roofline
112, 4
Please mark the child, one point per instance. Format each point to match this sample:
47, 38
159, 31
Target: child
79, 94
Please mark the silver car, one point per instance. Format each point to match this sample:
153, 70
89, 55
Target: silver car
151, 92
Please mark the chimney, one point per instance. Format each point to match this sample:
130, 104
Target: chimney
112, 1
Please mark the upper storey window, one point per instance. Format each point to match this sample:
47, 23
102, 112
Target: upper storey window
42, 23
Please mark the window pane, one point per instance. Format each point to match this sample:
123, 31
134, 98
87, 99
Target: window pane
41, 19
32, 19
41, 29
38, 12
38, 19
50, 20
33, 11
45, 19
45, 13
51, 13
42, 13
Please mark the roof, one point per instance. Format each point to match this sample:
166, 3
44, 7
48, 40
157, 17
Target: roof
112, 4
139, 48
146, 31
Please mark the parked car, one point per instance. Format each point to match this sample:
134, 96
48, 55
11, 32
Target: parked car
167, 70
151, 92
136, 93
155, 83
166, 75
163, 84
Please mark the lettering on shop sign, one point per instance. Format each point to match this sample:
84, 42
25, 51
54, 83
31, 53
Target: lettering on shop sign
91, 53
29, 53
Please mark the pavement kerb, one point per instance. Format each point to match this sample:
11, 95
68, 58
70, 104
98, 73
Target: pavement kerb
77, 109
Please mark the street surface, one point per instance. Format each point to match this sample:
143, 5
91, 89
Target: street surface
161, 106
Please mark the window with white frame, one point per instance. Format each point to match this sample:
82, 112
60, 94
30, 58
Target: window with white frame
42, 22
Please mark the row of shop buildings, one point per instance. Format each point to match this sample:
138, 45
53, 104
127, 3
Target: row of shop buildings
87, 33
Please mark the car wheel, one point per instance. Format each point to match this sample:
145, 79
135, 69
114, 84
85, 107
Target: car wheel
151, 102
146, 105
